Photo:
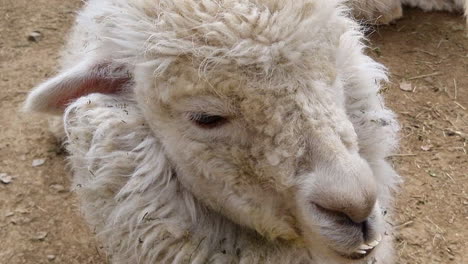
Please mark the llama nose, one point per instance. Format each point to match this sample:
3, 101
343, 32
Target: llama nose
357, 213
352, 192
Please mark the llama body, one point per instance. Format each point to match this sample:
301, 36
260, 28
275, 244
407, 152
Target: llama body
386, 11
439, 5
243, 131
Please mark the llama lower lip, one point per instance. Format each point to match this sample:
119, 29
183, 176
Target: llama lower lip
363, 251
354, 255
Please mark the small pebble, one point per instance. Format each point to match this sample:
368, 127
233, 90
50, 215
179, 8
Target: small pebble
429, 79
9, 214
5, 178
406, 86
58, 187
426, 147
38, 162
40, 236
50, 257
35, 36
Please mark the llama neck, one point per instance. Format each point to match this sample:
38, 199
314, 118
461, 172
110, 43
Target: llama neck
208, 237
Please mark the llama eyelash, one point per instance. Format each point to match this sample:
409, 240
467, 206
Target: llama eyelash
207, 121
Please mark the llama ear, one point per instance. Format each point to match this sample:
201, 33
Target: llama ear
87, 77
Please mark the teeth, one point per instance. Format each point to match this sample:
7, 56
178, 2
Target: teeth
365, 247
379, 238
374, 243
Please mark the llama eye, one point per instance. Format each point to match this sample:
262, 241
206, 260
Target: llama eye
207, 121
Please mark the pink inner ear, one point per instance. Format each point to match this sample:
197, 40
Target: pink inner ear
88, 86
102, 79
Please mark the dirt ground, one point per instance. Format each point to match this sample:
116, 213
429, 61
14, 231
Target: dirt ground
426, 53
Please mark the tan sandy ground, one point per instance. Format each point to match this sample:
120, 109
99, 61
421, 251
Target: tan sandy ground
39, 220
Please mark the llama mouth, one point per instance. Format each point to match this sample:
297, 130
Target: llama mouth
362, 251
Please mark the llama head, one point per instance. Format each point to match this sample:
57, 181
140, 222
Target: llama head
249, 102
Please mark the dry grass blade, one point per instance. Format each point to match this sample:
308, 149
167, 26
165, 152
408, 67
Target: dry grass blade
424, 76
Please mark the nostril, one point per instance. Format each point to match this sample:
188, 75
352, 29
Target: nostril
356, 214
365, 229
341, 217
344, 216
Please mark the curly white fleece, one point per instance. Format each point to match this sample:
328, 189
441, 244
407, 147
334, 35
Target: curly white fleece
127, 186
